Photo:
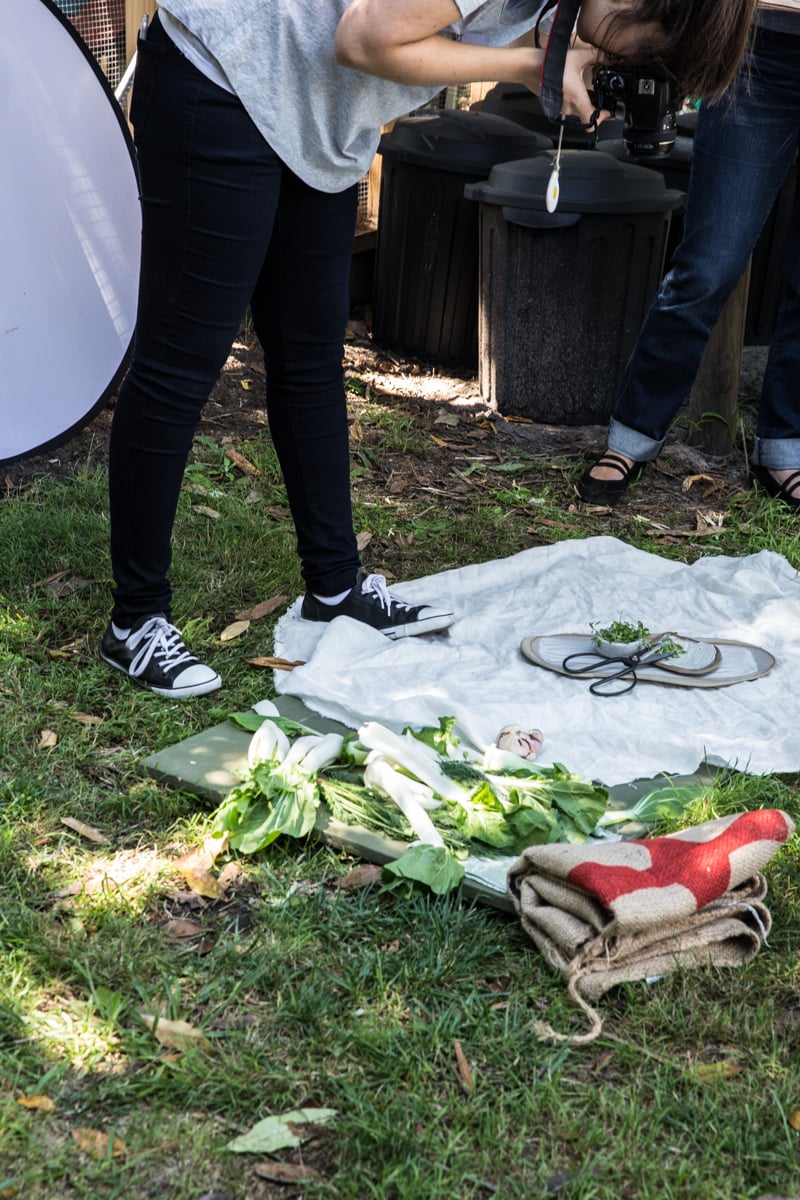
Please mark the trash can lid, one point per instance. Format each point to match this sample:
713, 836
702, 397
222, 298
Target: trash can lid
452, 140
520, 104
589, 182
673, 167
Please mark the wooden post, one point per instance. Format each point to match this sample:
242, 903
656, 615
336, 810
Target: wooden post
714, 397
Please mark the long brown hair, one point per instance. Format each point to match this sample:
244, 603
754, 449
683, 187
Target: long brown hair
701, 42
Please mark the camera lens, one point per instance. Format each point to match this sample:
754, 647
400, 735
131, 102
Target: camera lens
651, 143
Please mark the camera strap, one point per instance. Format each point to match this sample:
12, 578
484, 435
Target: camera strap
555, 56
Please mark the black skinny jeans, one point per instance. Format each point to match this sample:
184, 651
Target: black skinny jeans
225, 224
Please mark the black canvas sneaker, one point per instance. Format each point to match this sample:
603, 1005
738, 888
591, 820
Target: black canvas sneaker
153, 655
371, 601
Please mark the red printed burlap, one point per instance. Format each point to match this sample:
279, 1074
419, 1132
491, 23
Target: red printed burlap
607, 912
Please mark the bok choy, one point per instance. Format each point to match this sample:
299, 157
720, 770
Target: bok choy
658, 805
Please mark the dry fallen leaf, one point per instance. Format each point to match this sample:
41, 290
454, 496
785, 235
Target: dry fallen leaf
97, 1143
363, 539
284, 1172
85, 718
202, 858
177, 1035
603, 1060
360, 877
230, 874
70, 649
204, 883
182, 930
64, 582
195, 867
238, 459
709, 1072
41, 1103
277, 664
285, 1129
47, 739
465, 1076
87, 831
204, 511
261, 610
234, 630
794, 1119
691, 480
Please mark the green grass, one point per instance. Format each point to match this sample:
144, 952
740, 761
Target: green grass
310, 995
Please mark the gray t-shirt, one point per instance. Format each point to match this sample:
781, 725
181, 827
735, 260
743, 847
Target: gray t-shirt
322, 119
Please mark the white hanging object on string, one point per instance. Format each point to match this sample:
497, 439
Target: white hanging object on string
553, 190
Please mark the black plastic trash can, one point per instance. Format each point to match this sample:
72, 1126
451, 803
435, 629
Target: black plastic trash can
563, 294
425, 298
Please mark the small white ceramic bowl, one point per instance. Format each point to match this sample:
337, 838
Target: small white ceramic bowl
619, 649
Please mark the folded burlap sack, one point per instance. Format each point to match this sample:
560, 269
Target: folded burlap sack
604, 913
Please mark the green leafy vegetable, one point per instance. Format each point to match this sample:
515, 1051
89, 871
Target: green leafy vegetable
427, 784
462, 772
353, 804
620, 631
435, 866
251, 721
658, 805
278, 796
442, 738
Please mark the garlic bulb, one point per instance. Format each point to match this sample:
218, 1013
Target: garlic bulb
527, 743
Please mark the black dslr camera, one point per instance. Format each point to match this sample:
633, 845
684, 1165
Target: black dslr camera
651, 106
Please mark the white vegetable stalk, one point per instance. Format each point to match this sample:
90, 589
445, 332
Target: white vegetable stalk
423, 795
269, 744
265, 708
320, 751
497, 759
380, 774
410, 754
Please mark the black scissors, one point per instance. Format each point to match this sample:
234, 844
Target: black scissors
626, 665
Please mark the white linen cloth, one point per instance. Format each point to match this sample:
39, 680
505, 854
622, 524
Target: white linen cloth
475, 670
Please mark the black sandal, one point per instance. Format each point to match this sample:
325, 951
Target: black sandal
788, 491
608, 491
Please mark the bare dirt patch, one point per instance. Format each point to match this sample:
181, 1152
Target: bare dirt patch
449, 406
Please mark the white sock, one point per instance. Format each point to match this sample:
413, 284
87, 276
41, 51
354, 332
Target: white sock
122, 634
332, 599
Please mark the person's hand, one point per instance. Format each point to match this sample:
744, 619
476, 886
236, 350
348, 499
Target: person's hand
576, 82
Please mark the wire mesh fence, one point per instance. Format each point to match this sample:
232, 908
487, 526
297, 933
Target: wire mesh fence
101, 24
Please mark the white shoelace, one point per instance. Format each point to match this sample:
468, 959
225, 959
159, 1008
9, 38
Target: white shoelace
160, 640
376, 585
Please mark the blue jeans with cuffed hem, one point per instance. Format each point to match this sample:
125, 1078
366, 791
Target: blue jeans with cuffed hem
743, 149
226, 224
